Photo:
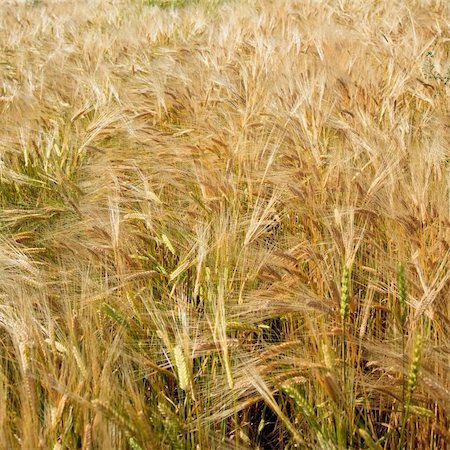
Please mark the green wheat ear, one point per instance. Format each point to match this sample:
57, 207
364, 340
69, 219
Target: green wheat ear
182, 367
345, 307
415, 365
412, 384
308, 412
133, 444
300, 402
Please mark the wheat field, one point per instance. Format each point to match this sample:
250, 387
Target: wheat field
224, 224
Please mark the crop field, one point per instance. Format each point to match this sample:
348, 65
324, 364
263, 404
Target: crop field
224, 224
